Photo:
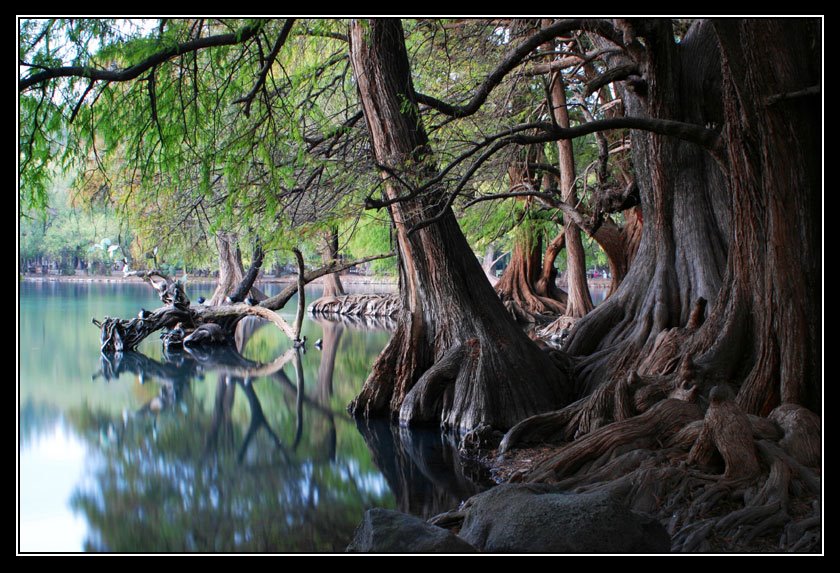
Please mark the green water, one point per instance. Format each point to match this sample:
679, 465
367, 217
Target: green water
148, 452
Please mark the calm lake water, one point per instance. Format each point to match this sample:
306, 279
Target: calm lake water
209, 452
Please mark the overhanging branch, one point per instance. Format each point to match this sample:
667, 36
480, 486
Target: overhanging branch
133, 72
615, 74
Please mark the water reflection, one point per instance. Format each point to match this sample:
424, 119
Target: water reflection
244, 448
174, 478
422, 467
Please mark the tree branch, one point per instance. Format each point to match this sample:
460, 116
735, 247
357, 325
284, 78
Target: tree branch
514, 58
241, 291
136, 70
79, 103
281, 39
615, 74
706, 138
537, 69
548, 198
809, 91
301, 282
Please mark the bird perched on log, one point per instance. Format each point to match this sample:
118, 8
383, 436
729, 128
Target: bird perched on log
251, 301
143, 314
232, 299
201, 300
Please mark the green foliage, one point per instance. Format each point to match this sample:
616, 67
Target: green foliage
371, 234
213, 141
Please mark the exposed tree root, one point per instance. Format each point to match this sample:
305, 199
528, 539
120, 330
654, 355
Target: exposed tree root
643, 431
558, 330
728, 481
614, 401
386, 305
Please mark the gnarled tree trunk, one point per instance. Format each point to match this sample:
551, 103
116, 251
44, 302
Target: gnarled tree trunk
517, 287
620, 244
546, 284
682, 252
456, 358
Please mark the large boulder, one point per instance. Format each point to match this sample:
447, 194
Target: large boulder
387, 531
536, 518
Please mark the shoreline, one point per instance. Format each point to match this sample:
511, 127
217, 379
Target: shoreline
348, 279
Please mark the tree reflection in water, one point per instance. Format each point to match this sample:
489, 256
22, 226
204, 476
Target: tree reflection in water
422, 467
197, 468
176, 476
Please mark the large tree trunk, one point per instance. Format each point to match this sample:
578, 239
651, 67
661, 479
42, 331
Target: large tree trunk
456, 358
766, 330
746, 242
682, 253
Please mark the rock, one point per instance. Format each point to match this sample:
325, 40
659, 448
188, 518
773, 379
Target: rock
537, 518
387, 531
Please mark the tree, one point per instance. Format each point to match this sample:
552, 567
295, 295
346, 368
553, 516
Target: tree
329, 252
519, 286
579, 302
442, 364
704, 363
684, 156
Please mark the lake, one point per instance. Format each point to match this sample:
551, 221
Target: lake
207, 451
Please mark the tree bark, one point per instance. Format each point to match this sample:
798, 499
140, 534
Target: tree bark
773, 305
682, 251
620, 244
546, 285
447, 304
